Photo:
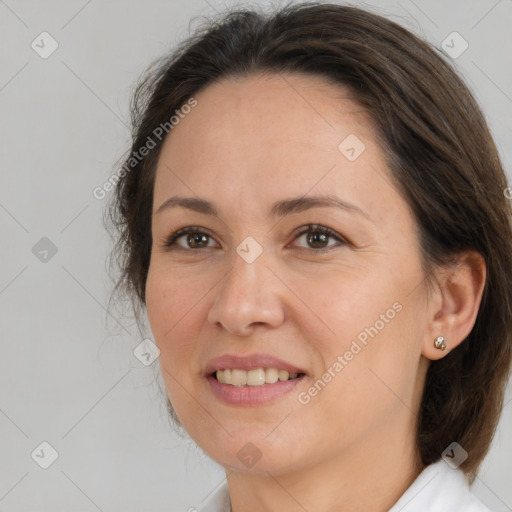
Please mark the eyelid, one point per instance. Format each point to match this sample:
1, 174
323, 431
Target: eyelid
168, 242
319, 228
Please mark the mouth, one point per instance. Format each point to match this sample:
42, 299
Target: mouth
257, 377
252, 380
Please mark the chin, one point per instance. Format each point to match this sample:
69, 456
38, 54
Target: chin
251, 454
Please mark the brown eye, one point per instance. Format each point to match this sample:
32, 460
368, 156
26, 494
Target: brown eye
195, 240
317, 237
189, 238
317, 240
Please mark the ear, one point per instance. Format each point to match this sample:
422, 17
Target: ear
457, 299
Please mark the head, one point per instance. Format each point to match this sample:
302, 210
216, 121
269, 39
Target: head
266, 123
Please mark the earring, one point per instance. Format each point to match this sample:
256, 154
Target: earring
440, 343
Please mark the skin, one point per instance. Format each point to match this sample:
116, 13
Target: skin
249, 142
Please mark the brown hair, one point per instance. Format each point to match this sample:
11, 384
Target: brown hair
441, 157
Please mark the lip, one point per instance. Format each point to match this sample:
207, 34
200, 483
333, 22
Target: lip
251, 395
252, 362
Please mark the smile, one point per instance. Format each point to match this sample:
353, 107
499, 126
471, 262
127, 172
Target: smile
252, 379
256, 377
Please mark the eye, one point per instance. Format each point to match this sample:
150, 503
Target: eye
317, 237
191, 237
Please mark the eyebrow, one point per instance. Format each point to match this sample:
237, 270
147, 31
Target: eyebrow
278, 209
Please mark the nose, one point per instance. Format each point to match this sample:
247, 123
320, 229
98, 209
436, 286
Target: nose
249, 296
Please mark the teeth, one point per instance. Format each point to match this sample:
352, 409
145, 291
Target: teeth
238, 378
257, 377
271, 375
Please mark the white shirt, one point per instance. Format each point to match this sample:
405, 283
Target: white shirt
438, 488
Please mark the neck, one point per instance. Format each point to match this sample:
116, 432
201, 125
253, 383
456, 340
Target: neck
371, 475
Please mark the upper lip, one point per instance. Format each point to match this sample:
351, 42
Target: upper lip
249, 362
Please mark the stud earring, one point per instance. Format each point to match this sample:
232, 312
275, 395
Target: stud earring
440, 343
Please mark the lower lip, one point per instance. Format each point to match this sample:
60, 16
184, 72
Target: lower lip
252, 395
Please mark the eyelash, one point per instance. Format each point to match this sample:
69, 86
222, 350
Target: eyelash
311, 228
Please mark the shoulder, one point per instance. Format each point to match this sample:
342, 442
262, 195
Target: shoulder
439, 488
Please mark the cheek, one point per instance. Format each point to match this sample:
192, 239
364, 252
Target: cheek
172, 313
169, 301
172, 318
350, 304
372, 385
391, 357
377, 328
156, 304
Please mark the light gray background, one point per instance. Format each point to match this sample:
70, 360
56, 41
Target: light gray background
67, 375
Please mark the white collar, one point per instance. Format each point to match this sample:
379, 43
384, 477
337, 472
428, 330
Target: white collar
438, 488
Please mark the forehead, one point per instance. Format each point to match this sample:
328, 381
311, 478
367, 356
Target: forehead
272, 108
277, 134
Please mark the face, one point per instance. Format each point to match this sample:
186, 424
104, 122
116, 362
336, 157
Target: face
273, 280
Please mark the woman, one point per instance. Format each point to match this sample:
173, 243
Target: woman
313, 216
